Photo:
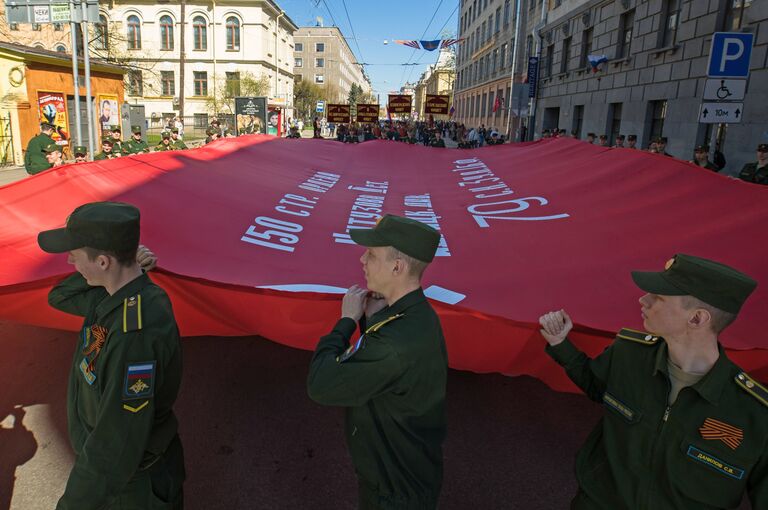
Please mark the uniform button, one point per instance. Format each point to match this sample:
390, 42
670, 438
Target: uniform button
741, 377
750, 384
648, 337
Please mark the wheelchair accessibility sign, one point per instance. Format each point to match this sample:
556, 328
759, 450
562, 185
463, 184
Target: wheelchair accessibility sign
724, 89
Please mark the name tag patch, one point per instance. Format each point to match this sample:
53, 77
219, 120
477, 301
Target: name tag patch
715, 463
139, 380
618, 406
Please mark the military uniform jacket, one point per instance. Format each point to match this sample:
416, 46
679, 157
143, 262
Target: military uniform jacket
179, 144
125, 376
751, 173
134, 147
104, 155
117, 147
161, 147
703, 452
392, 383
34, 159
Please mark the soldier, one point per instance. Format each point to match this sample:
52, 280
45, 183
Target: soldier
603, 140
80, 153
392, 379
135, 145
701, 157
107, 146
213, 134
176, 141
165, 142
53, 155
117, 145
757, 172
661, 146
591, 137
631, 141
437, 140
34, 158
126, 371
684, 427
619, 142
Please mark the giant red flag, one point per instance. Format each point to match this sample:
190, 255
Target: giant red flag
252, 237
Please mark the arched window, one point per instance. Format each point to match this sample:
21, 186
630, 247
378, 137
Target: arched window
200, 29
102, 33
166, 33
134, 33
233, 33
61, 48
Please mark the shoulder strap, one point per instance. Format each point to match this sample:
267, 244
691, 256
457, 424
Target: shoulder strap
379, 325
132, 313
752, 387
640, 337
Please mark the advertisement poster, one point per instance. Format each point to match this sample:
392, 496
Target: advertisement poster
251, 113
367, 113
436, 104
338, 113
52, 107
108, 112
273, 121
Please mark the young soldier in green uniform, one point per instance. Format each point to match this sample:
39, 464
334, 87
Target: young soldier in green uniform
437, 141
107, 148
177, 142
126, 368
757, 172
701, 157
117, 140
135, 145
34, 159
213, 134
684, 427
53, 155
165, 142
392, 379
80, 153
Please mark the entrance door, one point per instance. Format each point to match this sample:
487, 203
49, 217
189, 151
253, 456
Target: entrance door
551, 118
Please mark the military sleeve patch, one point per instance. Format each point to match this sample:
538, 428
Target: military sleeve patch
638, 336
136, 409
753, 387
139, 380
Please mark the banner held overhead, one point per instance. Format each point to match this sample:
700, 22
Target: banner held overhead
367, 113
400, 103
339, 113
435, 103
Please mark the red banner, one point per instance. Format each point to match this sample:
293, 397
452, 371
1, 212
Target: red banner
339, 113
252, 238
435, 103
367, 113
399, 103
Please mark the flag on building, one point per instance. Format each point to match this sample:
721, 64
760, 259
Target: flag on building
596, 60
430, 45
497, 104
412, 44
451, 111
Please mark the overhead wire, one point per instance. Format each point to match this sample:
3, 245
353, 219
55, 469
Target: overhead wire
352, 28
422, 35
438, 35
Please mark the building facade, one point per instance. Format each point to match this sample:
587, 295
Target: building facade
322, 56
653, 81
438, 78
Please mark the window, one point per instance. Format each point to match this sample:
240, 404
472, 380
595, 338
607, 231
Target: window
298, 46
498, 20
658, 111
476, 111
297, 77
546, 68
233, 34
503, 56
734, 13
232, 84
506, 12
200, 33
483, 103
61, 48
298, 62
135, 83
201, 120
101, 38
578, 120
501, 103
166, 33
565, 57
615, 127
671, 23
319, 47
482, 33
167, 83
14, 26
37, 27
494, 60
319, 78
586, 47
529, 46
201, 83
319, 62
625, 34
491, 102
134, 33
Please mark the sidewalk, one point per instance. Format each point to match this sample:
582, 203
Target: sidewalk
9, 174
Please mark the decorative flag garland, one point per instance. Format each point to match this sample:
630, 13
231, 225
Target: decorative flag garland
428, 45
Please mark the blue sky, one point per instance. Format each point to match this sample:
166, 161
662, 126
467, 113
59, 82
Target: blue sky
373, 22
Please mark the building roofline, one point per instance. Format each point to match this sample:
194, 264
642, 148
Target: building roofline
43, 56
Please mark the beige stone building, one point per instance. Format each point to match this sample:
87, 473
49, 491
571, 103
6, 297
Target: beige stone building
323, 56
438, 78
43, 36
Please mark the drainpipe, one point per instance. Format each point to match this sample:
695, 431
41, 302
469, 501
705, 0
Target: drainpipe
75, 77
514, 67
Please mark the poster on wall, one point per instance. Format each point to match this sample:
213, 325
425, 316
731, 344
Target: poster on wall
251, 113
52, 108
108, 112
274, 121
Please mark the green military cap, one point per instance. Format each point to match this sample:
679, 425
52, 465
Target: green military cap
165, 134
701, 148
661, 139
411, 237
111, 226
685, 275
620, 137
632, 138
108, 140
79, 149
175, 130
135, 129
116, 128
763, 147
51, 147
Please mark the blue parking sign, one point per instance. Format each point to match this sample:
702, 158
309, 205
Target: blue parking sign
729, 55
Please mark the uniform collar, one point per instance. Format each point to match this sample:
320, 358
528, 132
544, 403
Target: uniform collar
130, 289
711, 385
399, 306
